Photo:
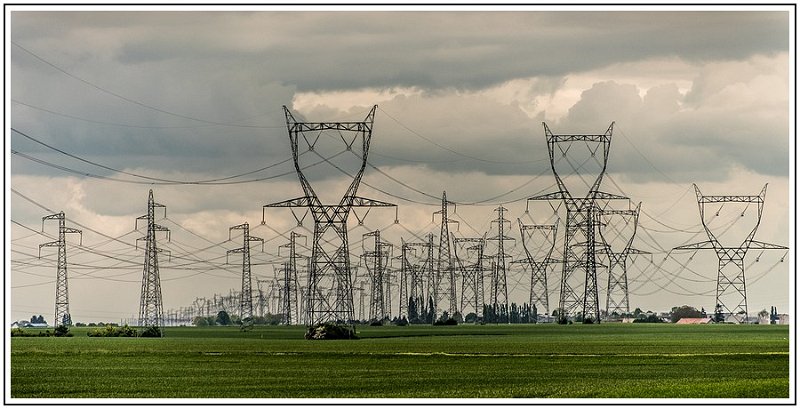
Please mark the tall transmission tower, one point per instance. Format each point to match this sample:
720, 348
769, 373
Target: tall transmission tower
246, 302
376, 262
445, 286
469, 257
618, 250
539, 240
290, 304
499, 290
330, 260
423, 277
151, 307
406, 275
580, 197
731, 294
62, 315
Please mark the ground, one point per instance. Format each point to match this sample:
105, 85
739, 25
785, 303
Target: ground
466, 361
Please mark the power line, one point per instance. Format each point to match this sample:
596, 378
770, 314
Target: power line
124, 98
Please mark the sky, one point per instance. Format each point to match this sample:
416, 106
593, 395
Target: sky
105, 104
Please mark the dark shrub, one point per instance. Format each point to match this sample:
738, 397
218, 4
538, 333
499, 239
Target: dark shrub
151, 332
330, 330
62, 331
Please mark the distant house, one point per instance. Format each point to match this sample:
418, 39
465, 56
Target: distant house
628, 320
27, 324
694, 321
783, 319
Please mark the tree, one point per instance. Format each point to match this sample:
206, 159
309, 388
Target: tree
223, 318
763, 314
718, 315
684, 311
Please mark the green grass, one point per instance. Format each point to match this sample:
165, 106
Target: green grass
492, 361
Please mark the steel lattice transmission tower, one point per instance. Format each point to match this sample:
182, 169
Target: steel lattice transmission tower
445, 286
422, 271
330, 255
581, 200
469, 257
246, 301
406, 274
376, 262
499, 285
290, 306
617, 296
151, 307
62, 315
539, 240
731, 294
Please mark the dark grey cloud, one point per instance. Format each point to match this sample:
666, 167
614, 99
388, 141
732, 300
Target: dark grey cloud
469, 50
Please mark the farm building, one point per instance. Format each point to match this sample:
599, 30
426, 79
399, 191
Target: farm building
694, 321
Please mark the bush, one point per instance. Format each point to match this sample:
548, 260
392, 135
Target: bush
330, 330
151, 332
112, 331
376, 324
62, 331
449, 321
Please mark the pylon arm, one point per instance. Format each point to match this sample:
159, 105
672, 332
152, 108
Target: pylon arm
608, 196
50, 244
758, 245
703, 245
364, 202
304, 201
550, 196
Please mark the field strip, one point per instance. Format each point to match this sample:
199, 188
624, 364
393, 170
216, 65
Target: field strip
500, 355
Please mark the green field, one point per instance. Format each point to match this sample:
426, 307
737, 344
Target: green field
467, 361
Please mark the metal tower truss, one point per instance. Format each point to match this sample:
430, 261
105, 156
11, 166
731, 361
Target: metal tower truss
62, 315
290, 304
499, 285
330, 260
151, 307
376, 262
538, 240
406, 275
468, 252
444, 290
579, 163
246, 302
617, 233
731, 294
423, 277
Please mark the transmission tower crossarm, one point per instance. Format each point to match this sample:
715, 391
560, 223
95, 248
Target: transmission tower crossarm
703, 245
759, 245
304, 201
551, 196
359, 201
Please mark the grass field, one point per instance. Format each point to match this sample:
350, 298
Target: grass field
466, 361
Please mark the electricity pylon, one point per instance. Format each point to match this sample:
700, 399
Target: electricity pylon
499, 284
444, 289
330, 256
731, 294
406, 275
579, 264
376, 262
539, 240
617, 296
151, 307
62, 315
290, 306
246, 302
469, 257
423, 276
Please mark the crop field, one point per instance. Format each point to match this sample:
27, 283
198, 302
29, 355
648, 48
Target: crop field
465, 361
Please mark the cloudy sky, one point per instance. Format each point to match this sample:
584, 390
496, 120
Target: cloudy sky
104, 105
